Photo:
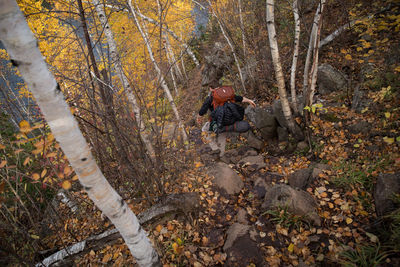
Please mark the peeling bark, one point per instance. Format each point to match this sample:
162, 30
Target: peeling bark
23, 48
278, 70
295, 56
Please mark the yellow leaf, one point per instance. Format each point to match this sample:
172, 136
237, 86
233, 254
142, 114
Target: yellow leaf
50, 137
75, 178
343, 51
66, 185
175, 247
349, 220
24, 124
290, 247
359, 49
3, 163
152, 120
397, 69
366, 44
179, 241
388, 140
43, 173
35, 176
361, 61
387, 115
35, 236
348, 57
92, 253
72, 109
198, 164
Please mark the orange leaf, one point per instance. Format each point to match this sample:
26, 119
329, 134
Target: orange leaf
66, 185
52, 155
2, 146
35, 176
159, 228
43, 173
75, 178
3, 163
26, 161
106, 258
18, 151
67, 170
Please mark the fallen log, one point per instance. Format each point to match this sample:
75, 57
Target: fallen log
184, 203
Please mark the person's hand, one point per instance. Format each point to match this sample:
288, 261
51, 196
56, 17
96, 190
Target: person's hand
251, 102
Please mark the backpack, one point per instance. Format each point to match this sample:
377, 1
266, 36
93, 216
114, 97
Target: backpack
221, 95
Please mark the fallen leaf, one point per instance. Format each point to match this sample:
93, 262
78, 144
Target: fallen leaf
349, 220
3, 163
290, 247
66, 185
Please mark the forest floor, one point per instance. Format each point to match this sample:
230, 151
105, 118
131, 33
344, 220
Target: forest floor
343, 191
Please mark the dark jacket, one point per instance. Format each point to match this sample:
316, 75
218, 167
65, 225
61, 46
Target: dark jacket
224, 115
207, 104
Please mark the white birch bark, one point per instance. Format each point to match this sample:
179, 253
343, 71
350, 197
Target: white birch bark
117, 68
176, 37
170, 67
173, 58
314, 68
23, 50
295, 55
160, 75
242, 27
310, 50
230, 45
277, 65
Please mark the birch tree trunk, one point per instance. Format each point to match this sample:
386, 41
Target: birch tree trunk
230, 45
295, 55
278, 67
242, 28
117, 68
172, 55
160, 75
308, 98
23, 50
310, 50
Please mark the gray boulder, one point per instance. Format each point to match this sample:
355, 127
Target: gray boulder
253, 141
255, 162
298, 202
225, 178
300, 178
263, 120
280, 117
330, 79
234, 232
386, 186
216, 63
283, 134
235, 155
